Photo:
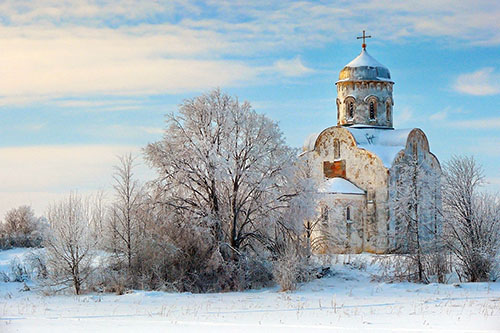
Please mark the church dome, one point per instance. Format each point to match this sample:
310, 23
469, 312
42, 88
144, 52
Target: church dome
364, 68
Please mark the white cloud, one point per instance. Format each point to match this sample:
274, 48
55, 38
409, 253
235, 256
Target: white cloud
493, 180
122, 131
60, 48
40, 174
152, 130
291, 67
446, 112
99, 104
283, 23
402, 116
439, 115
482, 82
39, 201
486, 123
40, 168
87, 61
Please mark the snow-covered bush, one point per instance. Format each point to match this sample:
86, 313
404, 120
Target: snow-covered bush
291, 267
37, 263
18, 271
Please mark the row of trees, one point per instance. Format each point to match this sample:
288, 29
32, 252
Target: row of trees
227, 212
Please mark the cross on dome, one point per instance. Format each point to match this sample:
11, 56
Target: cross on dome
364, 41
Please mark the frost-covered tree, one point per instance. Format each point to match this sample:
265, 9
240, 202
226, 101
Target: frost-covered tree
21, 228
99, 212
414, 204
70, 242
472, 218
229, 168
20, 220
124, 218
328, 230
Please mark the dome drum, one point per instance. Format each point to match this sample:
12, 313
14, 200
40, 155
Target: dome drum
363, 89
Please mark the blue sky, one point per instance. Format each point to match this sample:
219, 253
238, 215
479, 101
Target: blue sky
85, 81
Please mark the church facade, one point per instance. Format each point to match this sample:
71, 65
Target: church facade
358, 165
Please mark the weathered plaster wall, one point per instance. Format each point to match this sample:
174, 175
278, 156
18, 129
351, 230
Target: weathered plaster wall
417, 145
365, 170
335, 232
361, 91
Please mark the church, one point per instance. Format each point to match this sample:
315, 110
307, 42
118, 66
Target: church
357, 165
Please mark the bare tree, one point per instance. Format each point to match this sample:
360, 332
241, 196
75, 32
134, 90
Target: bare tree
70, 244
124, 222
99, 212
472, 218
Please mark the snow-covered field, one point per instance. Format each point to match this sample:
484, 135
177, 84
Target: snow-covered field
347, 301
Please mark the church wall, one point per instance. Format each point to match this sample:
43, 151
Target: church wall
335, 233
361, 92
417, 144
363, 169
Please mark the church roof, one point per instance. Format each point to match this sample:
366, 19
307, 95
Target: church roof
310, 142
385, 143
364, 68
339, 185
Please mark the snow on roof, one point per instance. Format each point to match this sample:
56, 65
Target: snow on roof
310, 142
385, 143
376, 78
364, 59
364, 68
339, 185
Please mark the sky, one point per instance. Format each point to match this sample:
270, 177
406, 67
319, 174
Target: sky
82, 82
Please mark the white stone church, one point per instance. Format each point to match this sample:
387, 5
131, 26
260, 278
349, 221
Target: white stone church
355, 162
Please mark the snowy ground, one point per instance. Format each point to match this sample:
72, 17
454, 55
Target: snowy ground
345, 302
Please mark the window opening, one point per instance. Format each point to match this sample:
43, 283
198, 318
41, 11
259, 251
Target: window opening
372, 110
336, 148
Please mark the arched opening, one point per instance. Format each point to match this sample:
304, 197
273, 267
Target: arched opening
336, 149
348, 224
338, 109
372, 110
372, 102
350, 108
324, 214
388, 111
